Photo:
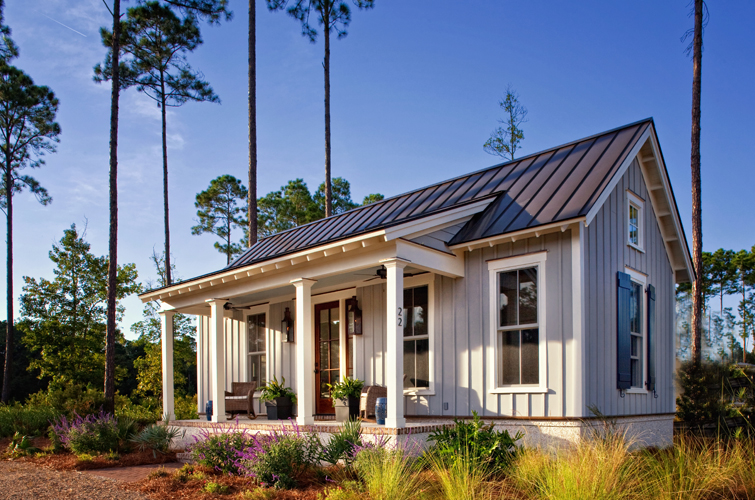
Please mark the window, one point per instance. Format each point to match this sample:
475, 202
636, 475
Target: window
635, 206
257, 339
518, 348
517, 327
637, 329
416, 338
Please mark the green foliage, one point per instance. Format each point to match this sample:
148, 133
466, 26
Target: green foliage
333, 15
90, 435
344, 443
294, 206
66, 316
156, 437
388, 473
149, 366
26, 420
274, 389
145, 413
220, 208
464, 478
372, 198
220, 452
345, 388
8, 49
186, 407
476, 442
504, 141
20, 445
281, 459
216, 488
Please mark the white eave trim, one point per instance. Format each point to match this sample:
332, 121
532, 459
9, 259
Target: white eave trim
231, 275
522, 234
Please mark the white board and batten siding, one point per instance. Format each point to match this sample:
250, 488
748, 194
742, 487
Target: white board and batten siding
606, 253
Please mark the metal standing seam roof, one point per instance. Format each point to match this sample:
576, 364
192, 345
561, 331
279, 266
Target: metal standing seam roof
555, 185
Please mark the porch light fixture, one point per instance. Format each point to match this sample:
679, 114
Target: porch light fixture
353, 316
287, 327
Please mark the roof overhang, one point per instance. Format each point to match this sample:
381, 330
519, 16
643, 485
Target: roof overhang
653, 167
522, 234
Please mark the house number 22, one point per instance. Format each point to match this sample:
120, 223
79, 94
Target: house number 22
400, 312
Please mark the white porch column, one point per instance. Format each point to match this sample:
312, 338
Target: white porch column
217, 359
394, 365
166, 340
305, 365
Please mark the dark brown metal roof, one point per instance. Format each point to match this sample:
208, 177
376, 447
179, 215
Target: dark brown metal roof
554, 185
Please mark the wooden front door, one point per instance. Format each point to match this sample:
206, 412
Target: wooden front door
327, 353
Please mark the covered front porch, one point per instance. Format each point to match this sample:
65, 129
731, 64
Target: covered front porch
244, 333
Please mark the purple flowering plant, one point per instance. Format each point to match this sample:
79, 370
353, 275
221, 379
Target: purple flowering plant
96, 433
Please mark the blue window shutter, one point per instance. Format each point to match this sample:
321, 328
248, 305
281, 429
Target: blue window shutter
651, 338
623, 344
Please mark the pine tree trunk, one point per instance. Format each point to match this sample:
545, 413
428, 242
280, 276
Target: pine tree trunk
168, 278
9, 290
112, 273
252, 202
697, 221
326, 66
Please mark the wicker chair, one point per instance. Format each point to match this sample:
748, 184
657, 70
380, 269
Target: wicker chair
241, 399
368, 399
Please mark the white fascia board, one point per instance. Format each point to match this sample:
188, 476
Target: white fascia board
430, 259
517, 235
238, 274
672, 206
436, 221
321, 268
618, 175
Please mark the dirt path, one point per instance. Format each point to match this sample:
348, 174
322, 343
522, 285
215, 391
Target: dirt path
23, 481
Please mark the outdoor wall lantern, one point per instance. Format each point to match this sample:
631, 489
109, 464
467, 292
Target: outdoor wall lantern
353, 316
287, 327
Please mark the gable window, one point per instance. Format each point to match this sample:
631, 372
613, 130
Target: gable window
517, 302
416, 338
635, 207
257, 349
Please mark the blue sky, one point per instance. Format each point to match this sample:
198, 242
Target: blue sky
415, 87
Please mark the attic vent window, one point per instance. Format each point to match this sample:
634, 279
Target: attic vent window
635, 216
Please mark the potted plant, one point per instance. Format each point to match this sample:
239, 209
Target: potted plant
278, 399
345, 396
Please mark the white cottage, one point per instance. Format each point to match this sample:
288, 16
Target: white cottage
526, 292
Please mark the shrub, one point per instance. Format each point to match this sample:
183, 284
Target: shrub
69, 400
20, 445
216, 488
186, 407
220, 451
157, 438
258, 494
388, 472
143, 414
344, 443
90, 434
281, 459
27, 420
476, 443
464, 478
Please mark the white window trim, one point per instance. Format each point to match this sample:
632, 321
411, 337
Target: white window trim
414, 282
639, 204
537, 260
641, 279
269, 338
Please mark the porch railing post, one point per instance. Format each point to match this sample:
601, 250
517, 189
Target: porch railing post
395, 342
166, 341
217, 359
305, 365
